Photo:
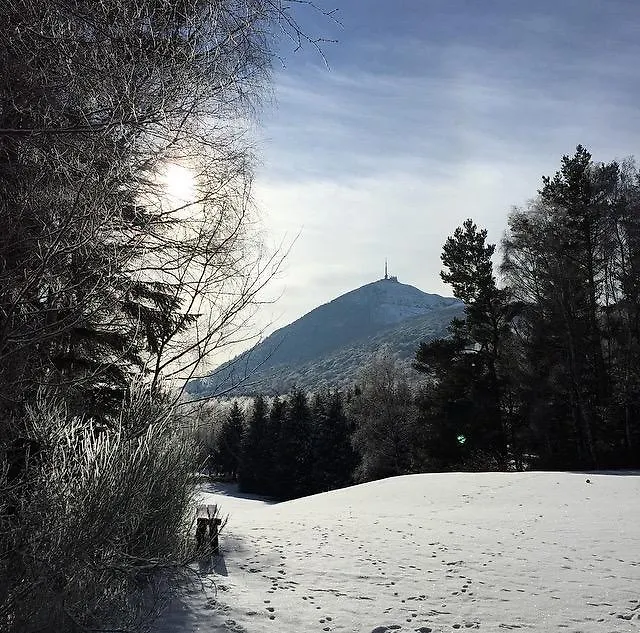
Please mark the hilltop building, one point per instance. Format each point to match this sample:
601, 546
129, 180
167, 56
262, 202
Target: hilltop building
386, 273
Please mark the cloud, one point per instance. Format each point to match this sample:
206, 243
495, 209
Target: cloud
348, 228
474, 102
407, 135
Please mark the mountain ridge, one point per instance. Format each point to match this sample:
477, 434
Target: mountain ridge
329, 343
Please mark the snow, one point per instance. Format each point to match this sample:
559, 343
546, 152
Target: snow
391, 302
328, 346
420, 553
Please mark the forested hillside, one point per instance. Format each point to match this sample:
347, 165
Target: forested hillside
328, 346
540, 371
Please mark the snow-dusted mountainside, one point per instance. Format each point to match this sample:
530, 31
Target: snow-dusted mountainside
433, 553
327, 345
340, 367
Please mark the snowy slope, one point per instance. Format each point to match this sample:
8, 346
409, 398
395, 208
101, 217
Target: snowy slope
429, 553
353, 319
341, 367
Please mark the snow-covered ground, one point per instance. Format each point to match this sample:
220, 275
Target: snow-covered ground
421, 553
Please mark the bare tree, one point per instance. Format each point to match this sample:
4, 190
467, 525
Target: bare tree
108, 277
105, 272
386, 420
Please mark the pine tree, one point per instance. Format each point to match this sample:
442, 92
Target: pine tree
294, 449
571, 259
253, 472
321, 443
272, 482
230, 442
340, 458
465, 407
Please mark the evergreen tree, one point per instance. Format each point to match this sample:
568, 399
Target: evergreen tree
339, 457
254, 466
545, 372
321, 443
272, 483
463, 412
230, 442
571, 260
576, 210
293, 468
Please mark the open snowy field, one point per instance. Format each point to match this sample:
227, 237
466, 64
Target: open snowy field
421, 553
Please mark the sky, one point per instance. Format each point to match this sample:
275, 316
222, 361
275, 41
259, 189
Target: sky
425, 113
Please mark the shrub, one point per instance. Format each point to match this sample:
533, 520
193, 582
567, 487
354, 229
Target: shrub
97, 524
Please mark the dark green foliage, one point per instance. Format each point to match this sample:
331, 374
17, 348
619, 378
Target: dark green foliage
462, 412
572, 259
272, 483
255, 468
541, 373
230, 443
468, 258
545, 372
333, 456
292, 449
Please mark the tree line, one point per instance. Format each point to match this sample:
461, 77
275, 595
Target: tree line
301, 444
542, 371
290, 447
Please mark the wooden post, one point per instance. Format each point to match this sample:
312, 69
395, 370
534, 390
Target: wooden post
201, 530
206, 518
213, 527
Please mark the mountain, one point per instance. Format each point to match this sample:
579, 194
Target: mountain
327, 346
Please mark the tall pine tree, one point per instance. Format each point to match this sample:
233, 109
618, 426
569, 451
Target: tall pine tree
465, 408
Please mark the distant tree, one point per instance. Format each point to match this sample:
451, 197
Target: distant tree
384, 417
321, 442
293, 449
277, 414
254, 466
333, 456
230, 441
341, 458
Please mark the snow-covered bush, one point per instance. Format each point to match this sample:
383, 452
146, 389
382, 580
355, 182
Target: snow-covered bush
386, 431
97, 522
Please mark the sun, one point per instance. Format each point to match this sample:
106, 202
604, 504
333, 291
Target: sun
180, 184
